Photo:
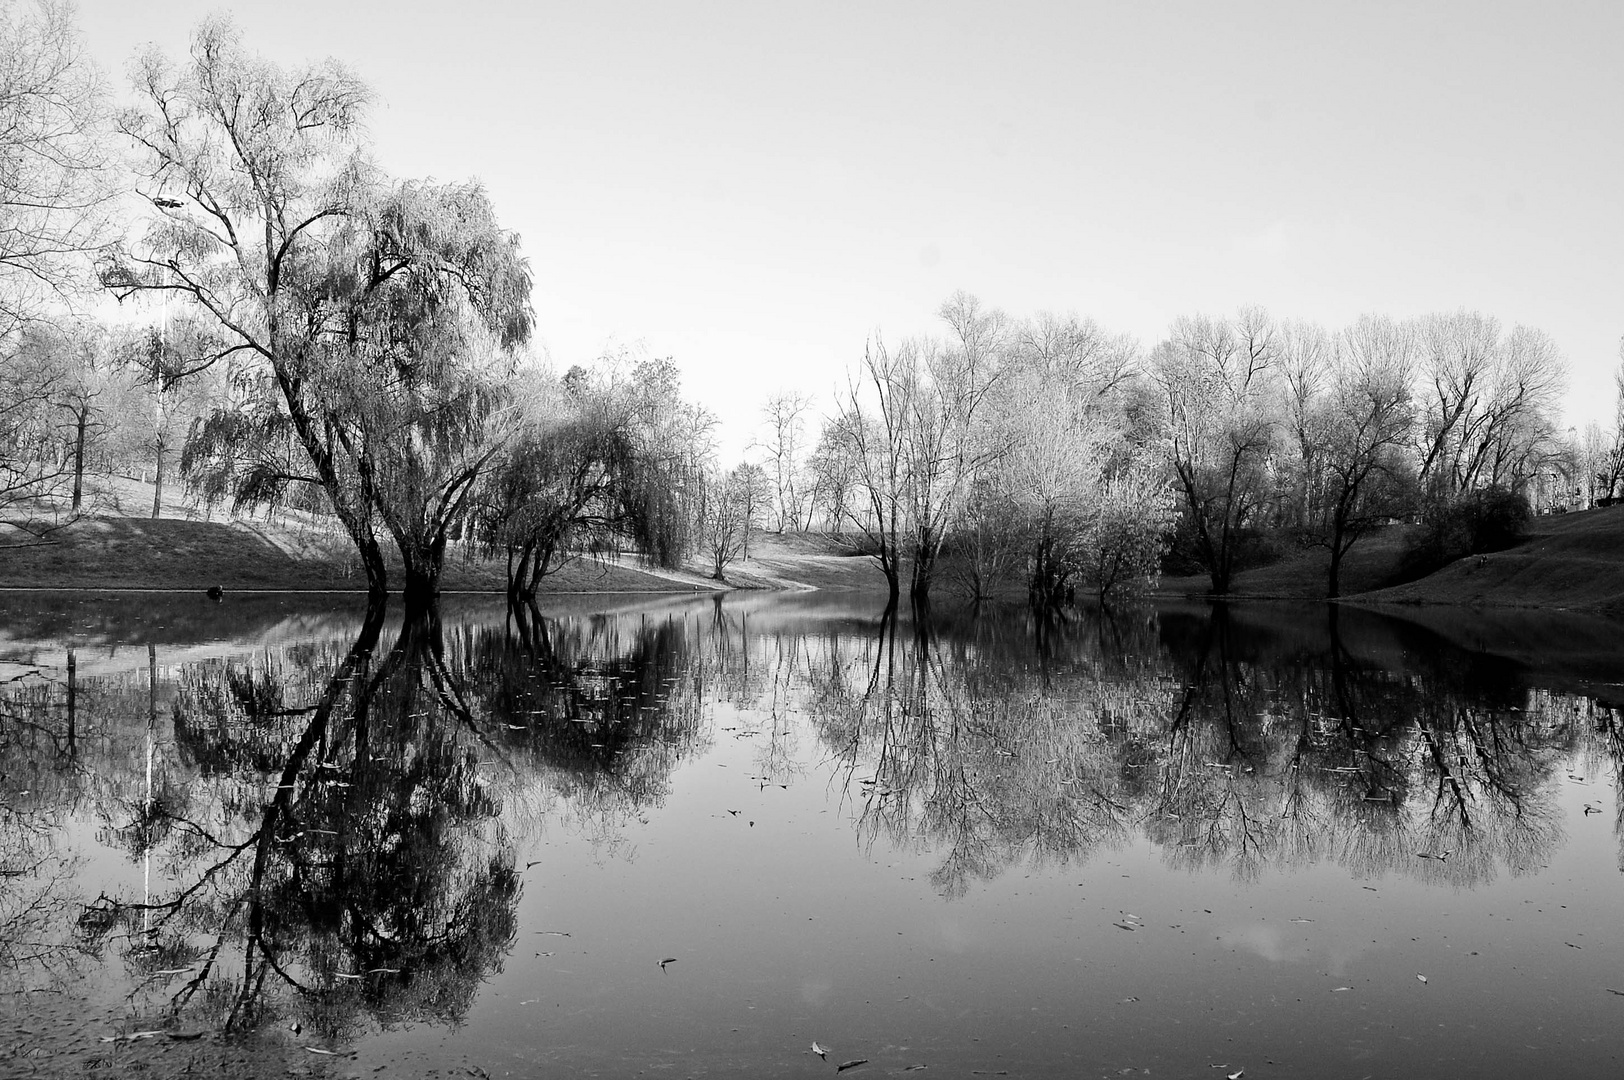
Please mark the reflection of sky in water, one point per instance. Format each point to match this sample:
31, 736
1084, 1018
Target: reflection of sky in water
799, 902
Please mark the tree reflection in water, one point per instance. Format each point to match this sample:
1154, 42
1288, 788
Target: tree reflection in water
336, 824
1229, 741
330, 829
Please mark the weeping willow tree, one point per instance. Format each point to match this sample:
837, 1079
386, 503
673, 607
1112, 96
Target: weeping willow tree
589, 470
368, 326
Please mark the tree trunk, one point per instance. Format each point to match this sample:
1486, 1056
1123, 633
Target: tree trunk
158, 479
423, 569
83, 419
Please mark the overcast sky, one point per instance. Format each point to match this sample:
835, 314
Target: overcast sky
756, 188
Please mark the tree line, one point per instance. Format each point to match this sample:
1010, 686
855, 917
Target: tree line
311, 333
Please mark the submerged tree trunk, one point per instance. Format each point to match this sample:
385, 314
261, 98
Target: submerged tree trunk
424, 566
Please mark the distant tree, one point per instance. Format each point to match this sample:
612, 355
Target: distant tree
1220, 389
54, 177
35, 475
755, 492
72, 364
1488, 403
1121, 550
162, 407
873, 439
783, 447
724, 518
990, 541
573, 480
1356, 436
833, 470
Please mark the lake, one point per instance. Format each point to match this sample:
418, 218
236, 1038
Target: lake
693, 836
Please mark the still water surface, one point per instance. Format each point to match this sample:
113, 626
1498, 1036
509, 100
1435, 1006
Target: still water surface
691, 838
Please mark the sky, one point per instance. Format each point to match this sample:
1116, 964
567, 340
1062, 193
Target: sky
757, 189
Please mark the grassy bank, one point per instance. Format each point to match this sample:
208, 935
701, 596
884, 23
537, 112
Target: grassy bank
143, 553
1566, 562
116, 552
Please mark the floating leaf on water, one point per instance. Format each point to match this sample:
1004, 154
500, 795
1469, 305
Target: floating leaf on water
1423, 978
821, 1051
1302, 920
1610, 990
1124, 926
852, 1064
1571, 945
1237, 1074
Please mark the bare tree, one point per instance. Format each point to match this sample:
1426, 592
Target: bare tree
1220, 387
784, 418
875, 442
34, 472
54, 180
833, 472
1488, 403
725, 504
1357, 434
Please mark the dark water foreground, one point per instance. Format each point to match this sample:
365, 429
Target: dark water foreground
691, 839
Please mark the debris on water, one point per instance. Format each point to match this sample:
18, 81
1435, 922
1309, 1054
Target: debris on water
1127, 1001
1124, 926
1610, 990
553, 933
1591, 809
735, 813
1423, 978
1237, 1074
852, 1064
1302, 920
131, 1037
1440, 856
1571, 945
1340, 989
821, 1051
667, 960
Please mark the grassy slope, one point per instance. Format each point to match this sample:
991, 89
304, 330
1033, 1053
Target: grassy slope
141, 553
1303, 574
1569, 562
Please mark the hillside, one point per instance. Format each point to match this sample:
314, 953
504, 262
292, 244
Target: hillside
1568, 562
